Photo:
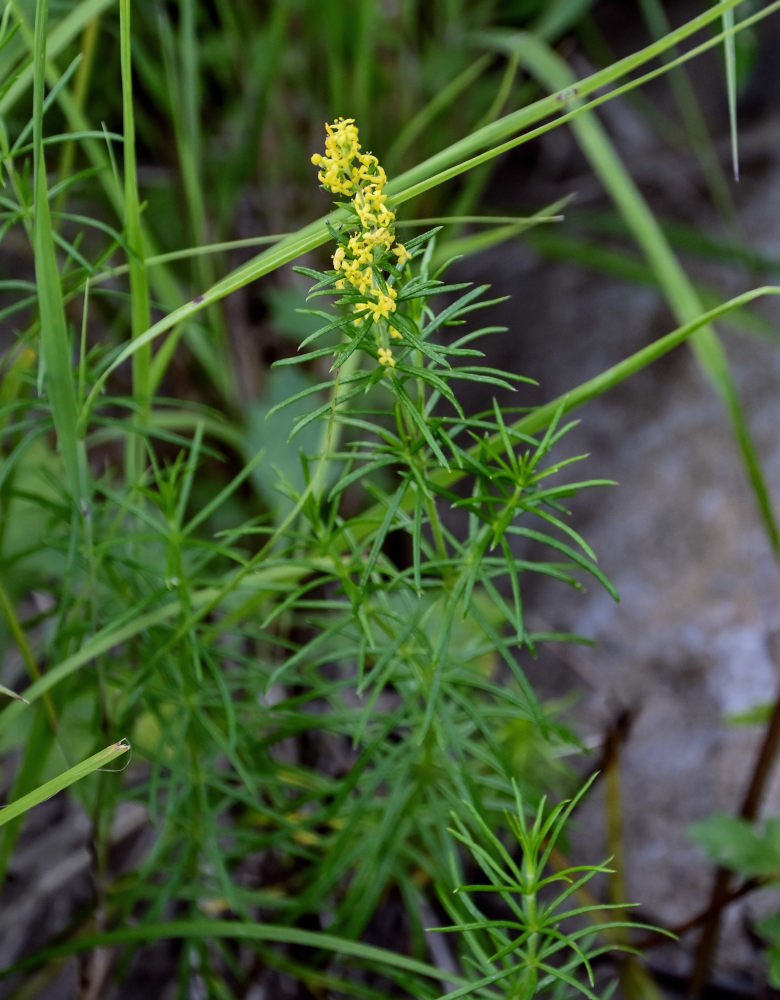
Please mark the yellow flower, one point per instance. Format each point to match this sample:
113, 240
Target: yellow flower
341, 148
382, 308
401, 253
345, 169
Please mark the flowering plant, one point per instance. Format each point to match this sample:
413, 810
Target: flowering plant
311, 688
402, 621
347, 170
362, 258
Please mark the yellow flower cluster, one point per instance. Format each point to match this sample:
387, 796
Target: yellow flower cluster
344, 167
346, 170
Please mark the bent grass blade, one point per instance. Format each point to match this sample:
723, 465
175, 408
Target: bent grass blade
62, 781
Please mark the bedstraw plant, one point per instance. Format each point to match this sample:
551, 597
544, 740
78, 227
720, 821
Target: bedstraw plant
541, 943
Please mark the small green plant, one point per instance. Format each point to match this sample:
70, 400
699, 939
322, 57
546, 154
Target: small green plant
542, 943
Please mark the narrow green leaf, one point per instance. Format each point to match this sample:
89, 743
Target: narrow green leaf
139, 289
56, 367
12, 694
731, 86
380, 536
233, 930
62, 781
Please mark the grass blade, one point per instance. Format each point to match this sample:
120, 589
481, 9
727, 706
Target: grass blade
139, 288
731, 86
56, 367
62, 781
205, 930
